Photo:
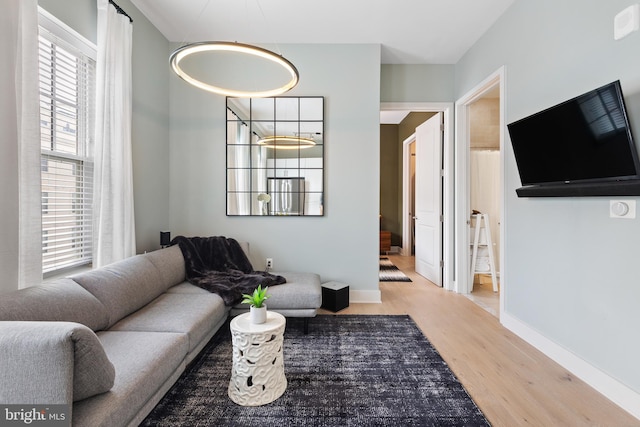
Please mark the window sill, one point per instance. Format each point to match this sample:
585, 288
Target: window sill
66, 272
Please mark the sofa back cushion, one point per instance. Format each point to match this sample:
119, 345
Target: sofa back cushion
60, 300
124, 286
170, 264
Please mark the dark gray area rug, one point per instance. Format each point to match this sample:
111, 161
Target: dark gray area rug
390, 273
350, 370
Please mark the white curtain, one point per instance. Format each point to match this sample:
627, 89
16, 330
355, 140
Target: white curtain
21, 139
259, 178
242, 162
235, 177
114, 222
247, 169
239, 161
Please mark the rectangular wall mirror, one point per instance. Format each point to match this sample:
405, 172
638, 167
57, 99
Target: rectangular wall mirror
275, 156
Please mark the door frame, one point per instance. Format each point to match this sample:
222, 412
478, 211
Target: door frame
462, 187
447, 108
407, 235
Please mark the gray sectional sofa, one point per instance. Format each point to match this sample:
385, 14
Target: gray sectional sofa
111, 342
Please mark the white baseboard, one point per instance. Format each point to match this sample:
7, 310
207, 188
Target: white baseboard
614, 390
364, 297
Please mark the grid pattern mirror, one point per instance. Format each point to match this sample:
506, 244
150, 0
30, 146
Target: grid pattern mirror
275, 156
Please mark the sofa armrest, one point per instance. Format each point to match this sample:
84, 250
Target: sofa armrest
37, 363
51, 363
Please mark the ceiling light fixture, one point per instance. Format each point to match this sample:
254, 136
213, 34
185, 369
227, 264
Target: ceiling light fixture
217, 46
286, 142
210, 48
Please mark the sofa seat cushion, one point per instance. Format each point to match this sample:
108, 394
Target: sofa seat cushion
302, 290
186, 288
195, 315
62, 300
124, 286
143, 363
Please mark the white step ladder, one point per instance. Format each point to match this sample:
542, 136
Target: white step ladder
482, 242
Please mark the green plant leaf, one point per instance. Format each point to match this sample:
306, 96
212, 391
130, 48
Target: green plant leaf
257, 298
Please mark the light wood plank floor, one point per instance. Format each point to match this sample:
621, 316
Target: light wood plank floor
484, 296
513, 383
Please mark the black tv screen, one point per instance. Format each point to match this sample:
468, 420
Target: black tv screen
587, 138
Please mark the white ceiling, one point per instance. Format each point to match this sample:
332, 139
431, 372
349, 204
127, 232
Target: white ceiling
409, 31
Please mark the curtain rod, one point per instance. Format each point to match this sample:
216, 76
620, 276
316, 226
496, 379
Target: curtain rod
121, 10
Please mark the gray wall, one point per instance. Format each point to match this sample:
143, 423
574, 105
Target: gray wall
78, 14
571, 271
416, 83
342, 245
150, 126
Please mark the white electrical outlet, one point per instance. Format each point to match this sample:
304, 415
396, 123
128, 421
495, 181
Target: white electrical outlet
622, 209
269, 263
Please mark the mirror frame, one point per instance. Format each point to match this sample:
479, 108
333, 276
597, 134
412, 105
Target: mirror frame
272, 180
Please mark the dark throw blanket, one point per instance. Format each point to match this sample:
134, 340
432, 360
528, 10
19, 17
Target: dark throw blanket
219, 265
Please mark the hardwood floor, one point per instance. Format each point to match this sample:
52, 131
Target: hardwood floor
484, 296
513, 383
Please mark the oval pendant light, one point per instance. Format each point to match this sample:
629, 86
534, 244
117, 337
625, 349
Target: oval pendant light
286, 142
185, 51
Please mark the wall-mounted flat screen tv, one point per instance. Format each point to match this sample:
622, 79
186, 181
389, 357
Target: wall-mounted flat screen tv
583, 140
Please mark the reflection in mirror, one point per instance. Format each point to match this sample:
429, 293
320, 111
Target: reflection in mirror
275, 156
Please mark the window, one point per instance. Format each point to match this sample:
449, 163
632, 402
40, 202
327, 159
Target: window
67, 99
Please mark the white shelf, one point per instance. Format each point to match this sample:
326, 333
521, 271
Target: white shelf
482, 239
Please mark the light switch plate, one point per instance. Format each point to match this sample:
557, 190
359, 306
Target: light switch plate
622, 209
626, 22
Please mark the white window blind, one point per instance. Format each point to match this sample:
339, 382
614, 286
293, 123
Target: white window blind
67, 102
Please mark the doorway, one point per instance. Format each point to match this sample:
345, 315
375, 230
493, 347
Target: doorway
405, 217
427, 215
480, 188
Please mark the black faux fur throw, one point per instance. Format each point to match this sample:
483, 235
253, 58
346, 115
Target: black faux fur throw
218, 264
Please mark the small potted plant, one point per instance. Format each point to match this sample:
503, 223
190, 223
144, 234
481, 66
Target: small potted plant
258, 309
264, 200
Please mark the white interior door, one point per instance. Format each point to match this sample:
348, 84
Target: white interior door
428, 199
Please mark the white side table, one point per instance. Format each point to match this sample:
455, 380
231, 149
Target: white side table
257, 375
